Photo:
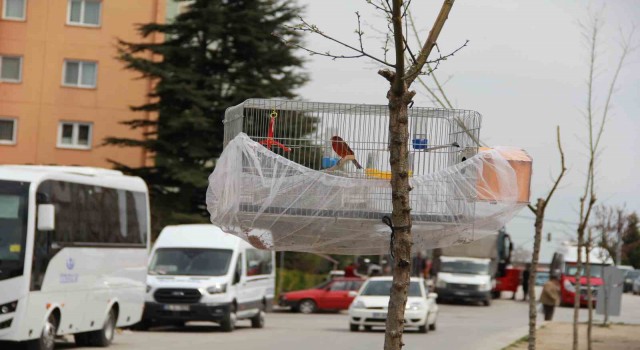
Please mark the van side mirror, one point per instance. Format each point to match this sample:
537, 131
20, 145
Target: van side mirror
236, 277
432, 296
46, 217
353, 294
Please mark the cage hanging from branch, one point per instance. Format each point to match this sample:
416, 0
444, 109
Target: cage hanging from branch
288, 178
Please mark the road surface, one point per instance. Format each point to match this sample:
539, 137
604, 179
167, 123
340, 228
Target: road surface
458, 327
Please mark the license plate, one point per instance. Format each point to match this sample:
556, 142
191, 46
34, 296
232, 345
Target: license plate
379, 315
461, 293
176, 307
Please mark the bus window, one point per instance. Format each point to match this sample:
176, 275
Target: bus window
13, 227
89, 216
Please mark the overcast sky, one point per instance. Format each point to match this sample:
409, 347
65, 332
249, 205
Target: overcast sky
525, 71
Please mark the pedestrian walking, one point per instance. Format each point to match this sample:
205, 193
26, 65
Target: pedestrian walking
550, 296
351, 270
525, 281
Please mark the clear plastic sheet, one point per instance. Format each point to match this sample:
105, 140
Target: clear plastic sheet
277, 204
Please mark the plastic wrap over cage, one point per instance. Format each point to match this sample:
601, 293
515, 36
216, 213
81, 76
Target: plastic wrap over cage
278, 204
312, 176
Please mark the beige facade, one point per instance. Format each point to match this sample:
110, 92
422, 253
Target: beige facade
62, 92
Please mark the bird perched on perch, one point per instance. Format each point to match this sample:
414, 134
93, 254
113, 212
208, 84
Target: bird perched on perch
343, 150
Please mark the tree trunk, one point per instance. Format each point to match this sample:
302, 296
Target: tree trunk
399, 98
578, 285
533, 314
401, 218
589, 294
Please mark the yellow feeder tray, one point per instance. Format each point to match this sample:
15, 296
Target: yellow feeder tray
379, 174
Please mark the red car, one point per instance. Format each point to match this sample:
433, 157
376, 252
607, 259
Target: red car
331, 295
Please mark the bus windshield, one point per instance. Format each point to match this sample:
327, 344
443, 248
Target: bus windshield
190, 262
465, 267
14, 196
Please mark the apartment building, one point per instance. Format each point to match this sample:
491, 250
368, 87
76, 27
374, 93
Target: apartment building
62, 90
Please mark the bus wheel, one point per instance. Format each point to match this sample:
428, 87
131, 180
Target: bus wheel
48, 337
103, 337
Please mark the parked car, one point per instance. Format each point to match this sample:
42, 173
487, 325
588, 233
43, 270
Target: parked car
369, 309
635, 289
629, 277
330, 295
542, 277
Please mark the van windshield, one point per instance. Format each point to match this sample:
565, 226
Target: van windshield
190, 262
466, 267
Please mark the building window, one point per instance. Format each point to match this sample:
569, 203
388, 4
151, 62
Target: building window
11, 68
15, 10
74, 135
8, 131
84, 13
80, 74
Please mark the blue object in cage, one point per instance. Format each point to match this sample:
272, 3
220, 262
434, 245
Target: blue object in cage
328, 162
420, 143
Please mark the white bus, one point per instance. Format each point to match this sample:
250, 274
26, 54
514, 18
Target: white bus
73, 253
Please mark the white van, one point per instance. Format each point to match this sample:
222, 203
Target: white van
200, 273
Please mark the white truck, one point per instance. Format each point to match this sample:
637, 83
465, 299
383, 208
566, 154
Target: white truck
477, 271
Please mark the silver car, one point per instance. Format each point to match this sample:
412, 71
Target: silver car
635, 289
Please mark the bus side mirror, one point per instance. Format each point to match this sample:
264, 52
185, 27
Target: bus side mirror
46, 217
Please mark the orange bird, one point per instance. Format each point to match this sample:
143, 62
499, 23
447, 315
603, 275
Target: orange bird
343, 150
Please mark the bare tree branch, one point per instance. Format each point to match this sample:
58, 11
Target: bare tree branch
563, 167
304, 26
415, 69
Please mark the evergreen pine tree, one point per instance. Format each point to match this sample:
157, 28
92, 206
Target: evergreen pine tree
216, 55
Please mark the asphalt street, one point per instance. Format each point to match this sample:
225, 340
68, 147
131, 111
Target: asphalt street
458, 327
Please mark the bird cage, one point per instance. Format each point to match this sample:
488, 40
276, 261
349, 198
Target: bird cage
309, 176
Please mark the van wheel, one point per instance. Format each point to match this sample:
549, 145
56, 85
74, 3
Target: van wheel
103, 337
257, 321
307, 306
432, 327
354, 327
486, 302
228, 324
81, 339
48, 337
143, 325
423, 329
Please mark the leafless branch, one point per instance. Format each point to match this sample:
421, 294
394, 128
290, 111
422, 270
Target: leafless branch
563, 167
382, 7
304, 26
359, 32
423, 56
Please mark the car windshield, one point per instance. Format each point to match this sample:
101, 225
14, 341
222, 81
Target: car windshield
13, 227
466, 267
190, 262
383, 288
596, 270
633, 274
322, 285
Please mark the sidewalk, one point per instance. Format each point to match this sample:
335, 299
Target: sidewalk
559, 336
